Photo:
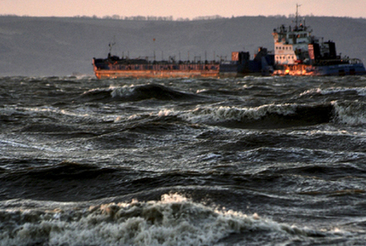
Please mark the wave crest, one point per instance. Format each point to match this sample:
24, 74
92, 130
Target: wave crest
265, 116
172, 221
350, 112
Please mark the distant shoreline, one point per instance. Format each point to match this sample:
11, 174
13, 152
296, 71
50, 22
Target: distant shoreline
170, 18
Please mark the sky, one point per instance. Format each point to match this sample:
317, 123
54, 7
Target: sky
182, 8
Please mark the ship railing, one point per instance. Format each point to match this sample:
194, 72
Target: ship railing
355, 61
158, 67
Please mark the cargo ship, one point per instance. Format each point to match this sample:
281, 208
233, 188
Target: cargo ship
298, 53
239, 65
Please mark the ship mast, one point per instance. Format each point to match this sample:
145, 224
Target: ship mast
297, 15
111, 44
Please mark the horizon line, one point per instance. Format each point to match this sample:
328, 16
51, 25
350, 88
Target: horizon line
171, 18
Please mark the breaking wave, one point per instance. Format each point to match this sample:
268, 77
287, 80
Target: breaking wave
137, 93
174, 220
266, 116
361, 91
350, 112
276, 115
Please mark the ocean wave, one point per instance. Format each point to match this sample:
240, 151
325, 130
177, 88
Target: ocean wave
137, 93
360, 91
278, 115
98, 94
174, 220
44, 117
265, 116
350, 112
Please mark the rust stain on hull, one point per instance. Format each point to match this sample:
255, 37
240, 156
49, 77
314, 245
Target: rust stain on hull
155, 74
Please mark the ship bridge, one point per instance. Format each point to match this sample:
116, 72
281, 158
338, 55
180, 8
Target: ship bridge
291, 44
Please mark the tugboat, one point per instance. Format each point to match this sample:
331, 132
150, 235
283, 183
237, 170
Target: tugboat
298, 53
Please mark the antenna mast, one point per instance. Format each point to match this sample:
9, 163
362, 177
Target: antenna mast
111, 44
297, 14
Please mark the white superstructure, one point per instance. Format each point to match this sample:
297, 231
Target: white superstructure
297, 52
291, 44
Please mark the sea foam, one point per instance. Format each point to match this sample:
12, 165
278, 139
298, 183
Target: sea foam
175, 220
350, 113
225, 113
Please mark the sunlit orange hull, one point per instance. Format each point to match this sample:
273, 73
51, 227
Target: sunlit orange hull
101, 74
330, 70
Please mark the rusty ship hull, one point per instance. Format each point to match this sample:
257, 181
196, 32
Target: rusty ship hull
239, 66
103, 74
160, 71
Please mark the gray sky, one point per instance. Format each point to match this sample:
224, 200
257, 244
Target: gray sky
182, 8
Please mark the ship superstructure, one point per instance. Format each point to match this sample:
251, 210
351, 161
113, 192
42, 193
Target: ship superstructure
298, 52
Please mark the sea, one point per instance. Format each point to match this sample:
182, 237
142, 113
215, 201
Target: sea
227, 161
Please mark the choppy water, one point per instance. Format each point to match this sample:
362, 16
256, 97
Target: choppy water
249, 161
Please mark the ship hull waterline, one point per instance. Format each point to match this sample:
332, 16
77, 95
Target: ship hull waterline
111, 74
309, 70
